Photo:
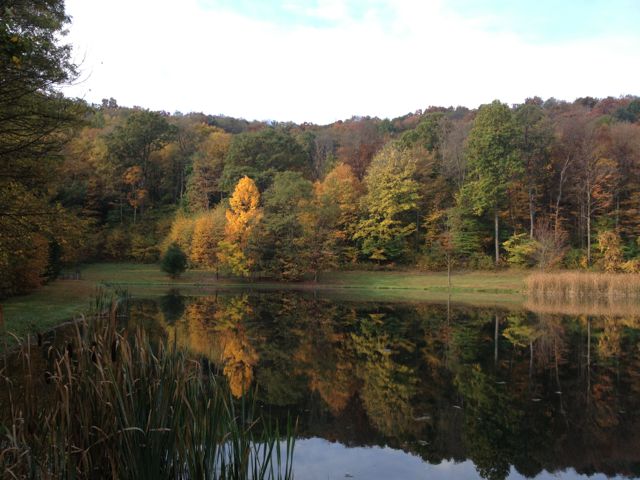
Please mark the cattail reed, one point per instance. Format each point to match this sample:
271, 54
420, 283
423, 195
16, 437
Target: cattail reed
109, 407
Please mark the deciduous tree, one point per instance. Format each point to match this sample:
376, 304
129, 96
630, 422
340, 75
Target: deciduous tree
493, 162
208, 232
392, 194
243, 215
279, 243
35, 123
260, 155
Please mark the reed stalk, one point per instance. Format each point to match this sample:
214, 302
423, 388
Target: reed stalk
108, 406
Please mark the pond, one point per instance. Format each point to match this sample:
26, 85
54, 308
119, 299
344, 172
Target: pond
423, 390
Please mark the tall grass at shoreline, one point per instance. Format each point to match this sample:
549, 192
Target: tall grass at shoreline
583, 286
108, 406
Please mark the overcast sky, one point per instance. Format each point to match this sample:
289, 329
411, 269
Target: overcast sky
324, 60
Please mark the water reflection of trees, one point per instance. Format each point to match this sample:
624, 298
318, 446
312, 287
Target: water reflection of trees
216, 328
503, 388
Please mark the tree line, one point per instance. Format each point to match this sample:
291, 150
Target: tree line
542, 183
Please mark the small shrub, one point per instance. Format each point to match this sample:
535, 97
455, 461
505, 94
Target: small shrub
552, 243
174, 261
431, 261
117, 245
144, 249
631, 266
610, 247
575, 258
480, 261
521, 250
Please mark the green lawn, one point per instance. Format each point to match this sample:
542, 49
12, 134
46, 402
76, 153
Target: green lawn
64, 299
509, 281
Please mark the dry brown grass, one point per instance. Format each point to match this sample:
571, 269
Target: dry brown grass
583, 286
584, 293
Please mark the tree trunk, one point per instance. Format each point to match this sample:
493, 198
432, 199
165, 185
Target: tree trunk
496, 234
449, 270
588, 357
495, 339
417, 236
530, 358
532, 213
446, 358
588, 225
563, 172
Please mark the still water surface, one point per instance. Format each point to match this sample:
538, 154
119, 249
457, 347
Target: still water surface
423, 390
393, 390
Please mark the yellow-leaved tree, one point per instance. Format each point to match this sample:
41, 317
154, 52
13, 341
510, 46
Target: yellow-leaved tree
208, 232
242, 216
343, 188
180, 233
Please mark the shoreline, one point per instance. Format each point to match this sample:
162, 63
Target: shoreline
63, 301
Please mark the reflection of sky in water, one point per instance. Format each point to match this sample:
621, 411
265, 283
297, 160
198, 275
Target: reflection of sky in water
318, 459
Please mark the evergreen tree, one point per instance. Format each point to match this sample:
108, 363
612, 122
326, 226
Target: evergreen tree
174, 261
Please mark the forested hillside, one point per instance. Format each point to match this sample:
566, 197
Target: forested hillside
543, 183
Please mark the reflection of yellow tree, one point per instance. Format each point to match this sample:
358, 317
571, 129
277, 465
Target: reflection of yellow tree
238, 355
239, 359
436, 338
197, 329
215, 328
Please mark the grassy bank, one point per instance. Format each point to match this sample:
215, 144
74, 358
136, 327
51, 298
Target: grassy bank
64, 299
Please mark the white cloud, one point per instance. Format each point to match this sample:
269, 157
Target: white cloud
167, 55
